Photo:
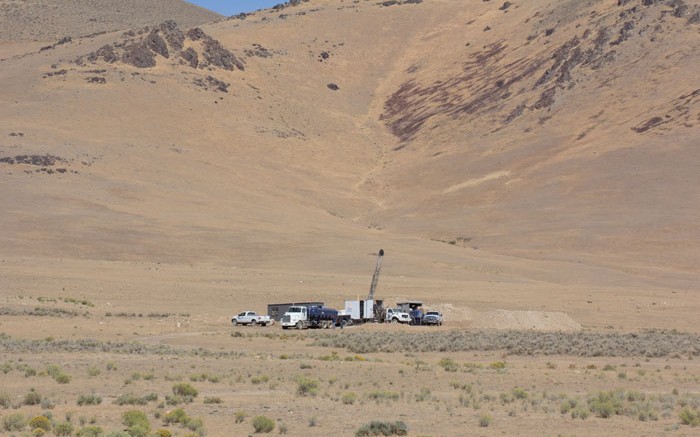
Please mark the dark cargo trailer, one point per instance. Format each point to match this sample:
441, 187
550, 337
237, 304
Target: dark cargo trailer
277, 310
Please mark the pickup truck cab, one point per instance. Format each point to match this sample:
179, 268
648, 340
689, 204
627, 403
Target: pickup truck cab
250, 318
395, 315
433, 318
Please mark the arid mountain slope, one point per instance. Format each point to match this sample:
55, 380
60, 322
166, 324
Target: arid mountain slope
46, 20
542, 140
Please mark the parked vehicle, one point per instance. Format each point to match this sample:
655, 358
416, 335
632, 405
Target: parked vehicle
433, 318
250, 318
395, 315
302, 317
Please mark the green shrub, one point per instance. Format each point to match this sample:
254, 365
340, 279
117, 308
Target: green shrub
178, 415
690, 417
5, 400
40, 422
63, 429
605, 404
307, 386
196, 425
263, 424
136, 422
90, 431
163, 433
32, 398
91, 399
14, 422
449, 365
349, 398
213, 400
130, 399
485, 420
382, 428
383, 395
185, 390
240, 416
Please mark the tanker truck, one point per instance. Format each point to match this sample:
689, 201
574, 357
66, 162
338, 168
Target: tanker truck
311, 316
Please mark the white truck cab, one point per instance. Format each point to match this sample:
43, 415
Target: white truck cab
396, 315
295, 316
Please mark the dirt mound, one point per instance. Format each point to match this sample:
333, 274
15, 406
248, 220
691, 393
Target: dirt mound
509, 319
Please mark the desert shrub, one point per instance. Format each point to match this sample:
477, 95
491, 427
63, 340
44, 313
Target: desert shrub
605, 404
567, 405
520, 393
382, 428
47, 403
263, 424
94, 371
178, 415
118, 434
40, 422
130, 399
63, 429
307, 386
185, 390
91, 399
379, 395
196, 425
349, 398
175, 400
5, 400
689, 416
14, 422
424, 395
32, 398
163, 433
283, 429
448, 364
213, 400
57, 374
240, 416
90, 431
136, 422
485, 420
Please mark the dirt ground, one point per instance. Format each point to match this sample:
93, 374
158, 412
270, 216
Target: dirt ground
153, 326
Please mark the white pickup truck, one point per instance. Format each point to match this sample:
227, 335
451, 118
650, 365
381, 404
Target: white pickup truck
395, 315
250, 318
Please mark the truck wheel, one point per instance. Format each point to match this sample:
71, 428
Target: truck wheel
394, 320
234, 322
254, 322
300, 325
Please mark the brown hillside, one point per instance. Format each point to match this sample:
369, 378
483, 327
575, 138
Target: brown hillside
532, 154
44, 20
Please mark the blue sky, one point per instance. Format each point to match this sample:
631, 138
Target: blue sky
231, 7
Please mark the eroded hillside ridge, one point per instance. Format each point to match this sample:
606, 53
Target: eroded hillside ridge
496, 81
143, 48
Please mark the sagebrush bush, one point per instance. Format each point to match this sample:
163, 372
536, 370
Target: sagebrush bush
40, 422
185, 390
307, 386
90, 431
91, 399
32, 398
63, 429
382, 428
240, 416
136, 422
14, 422
349, 398
5, 400
690, 417
177, 415
262, 424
